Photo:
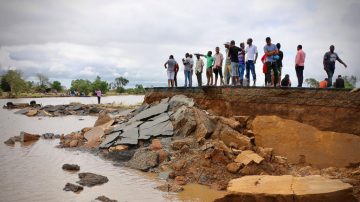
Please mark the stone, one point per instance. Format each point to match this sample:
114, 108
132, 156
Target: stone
74, 143
10, 141
131, 130
22, 111
155, 145
266, 153
32, 112
180, 180
204, 126
178, 144
48, 135
94, 134
163, 155
71, 167
73, 187
251, 169
233, 167
151, 112
234, 124
179, 165
160, 129
91, 179
185, 149
27, 137
287, 188
109, 140
184, 122
229, 135
170, 188
280, 160
144, 159
118, 148
181, 100
102, 119
303, 143
126, 141
219, 156
105, 199
243, 120
247, 157
107, 125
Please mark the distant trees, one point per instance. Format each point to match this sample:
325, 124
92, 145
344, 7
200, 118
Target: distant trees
119, 84
86, 86
56, 85
312, 83
13, 82
99, 84
43, 84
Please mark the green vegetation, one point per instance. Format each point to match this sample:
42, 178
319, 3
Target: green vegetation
56, 85
350, 82
13, 83
138, 90
119, 84
312, 83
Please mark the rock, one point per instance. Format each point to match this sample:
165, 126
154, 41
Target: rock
219, 156
204, 126
48, 135
32, 112
22, 111
27, 137
73, 187
247, 157
266, 153
91, 179
179, 165
280, 160
180, 180
252, 169
288, 188
71, 167
233, 167
105, 199
118, 148
184, 149
178, 144
163, 156
230, 122
181, 100
109, 140
10, 141
102, 119
229, 135
303, 143
144, 159
170, 188
184, 122
73, 143
243, 120
151, 112
94, 133
157, 126
107, 125
155, 145
94, 110
307, 170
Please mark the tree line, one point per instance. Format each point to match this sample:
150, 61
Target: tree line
12, 82
350, 82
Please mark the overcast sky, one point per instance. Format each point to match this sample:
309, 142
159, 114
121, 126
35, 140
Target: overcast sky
67, 40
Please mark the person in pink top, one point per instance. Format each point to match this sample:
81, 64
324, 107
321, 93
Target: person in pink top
299, 65
98, 95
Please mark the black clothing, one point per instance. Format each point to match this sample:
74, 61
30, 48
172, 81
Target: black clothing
339, 83
234, 53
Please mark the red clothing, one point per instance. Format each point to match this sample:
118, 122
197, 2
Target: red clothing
323, 84
263, 60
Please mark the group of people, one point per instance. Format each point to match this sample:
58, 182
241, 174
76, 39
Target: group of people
240, 62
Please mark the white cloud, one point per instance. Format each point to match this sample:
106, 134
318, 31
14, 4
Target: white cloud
83, 39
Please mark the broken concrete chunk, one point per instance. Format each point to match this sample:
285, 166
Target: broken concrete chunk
247, 157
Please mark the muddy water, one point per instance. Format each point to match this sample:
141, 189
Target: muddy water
32, 172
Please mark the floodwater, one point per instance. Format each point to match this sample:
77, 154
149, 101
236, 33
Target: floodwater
32, 172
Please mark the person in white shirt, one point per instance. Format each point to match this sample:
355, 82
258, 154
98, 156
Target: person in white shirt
218, 58
199, 69
251, 57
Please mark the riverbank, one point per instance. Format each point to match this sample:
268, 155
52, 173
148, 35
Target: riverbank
184, 144
5, 95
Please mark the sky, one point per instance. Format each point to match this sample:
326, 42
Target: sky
82, 39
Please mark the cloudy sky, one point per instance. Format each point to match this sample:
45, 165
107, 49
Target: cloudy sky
66, 40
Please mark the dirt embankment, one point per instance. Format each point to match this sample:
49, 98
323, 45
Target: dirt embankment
185, 144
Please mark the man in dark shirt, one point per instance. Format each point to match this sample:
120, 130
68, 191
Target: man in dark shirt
279, 61
286, 81
339, 83
329, 63
233, 54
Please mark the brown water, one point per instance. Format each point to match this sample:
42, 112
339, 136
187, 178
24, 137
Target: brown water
33, 172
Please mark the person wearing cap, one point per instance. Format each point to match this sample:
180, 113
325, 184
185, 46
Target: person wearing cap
251, 57
339, 83
234, 57
271, 52
227, 69
329, 63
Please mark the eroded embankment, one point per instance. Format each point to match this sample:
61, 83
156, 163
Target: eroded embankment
326, 109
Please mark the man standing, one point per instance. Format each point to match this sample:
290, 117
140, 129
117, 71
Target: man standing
227, 70
209, 66
339, 83
242, 64
170, 66
187, 69
218, 58
234, 58
329, 63
271, 51
299, 65
279, 61
199, 69
251, 57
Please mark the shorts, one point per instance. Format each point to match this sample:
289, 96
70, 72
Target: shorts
234, 69
171, 75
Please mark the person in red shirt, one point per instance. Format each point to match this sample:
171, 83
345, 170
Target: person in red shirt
324, 84
265, 70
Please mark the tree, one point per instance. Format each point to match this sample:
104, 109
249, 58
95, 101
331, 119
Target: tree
12, 82
56, 85
120, 83
81, 86
43, 82
99, 84
350, 81
312, 83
